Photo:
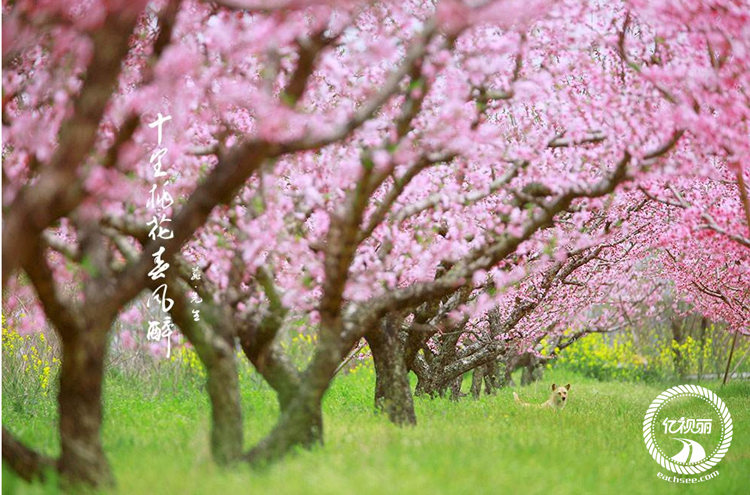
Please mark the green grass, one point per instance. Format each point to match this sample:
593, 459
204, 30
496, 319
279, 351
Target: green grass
157, 440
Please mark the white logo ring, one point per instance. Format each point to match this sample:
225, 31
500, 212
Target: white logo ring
687, 391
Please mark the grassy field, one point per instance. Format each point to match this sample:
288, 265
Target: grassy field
156, 436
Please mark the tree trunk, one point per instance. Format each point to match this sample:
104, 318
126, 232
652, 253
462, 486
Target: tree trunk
275, 367
532, 371
704, 326
422, 370
448, 353
25, 462
444, 374
82, 457
456, 388
678, 335
512, 362
213, 340
301, 422
392, 389
491, 377
226, 411
476, 381
508, 369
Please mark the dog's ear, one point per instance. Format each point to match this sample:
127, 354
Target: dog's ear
567, 387
554, 387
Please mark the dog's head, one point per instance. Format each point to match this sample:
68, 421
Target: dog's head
560, 394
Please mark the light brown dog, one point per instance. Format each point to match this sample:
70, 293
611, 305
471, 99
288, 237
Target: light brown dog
557, 399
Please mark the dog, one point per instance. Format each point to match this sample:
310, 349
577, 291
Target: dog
557, 399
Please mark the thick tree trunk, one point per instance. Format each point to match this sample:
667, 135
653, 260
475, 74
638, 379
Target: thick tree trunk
301, 421
213, 340
392, 389
226, 412
300, 424
82, 458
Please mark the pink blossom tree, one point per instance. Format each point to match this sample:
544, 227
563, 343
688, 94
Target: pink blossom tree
367, 166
